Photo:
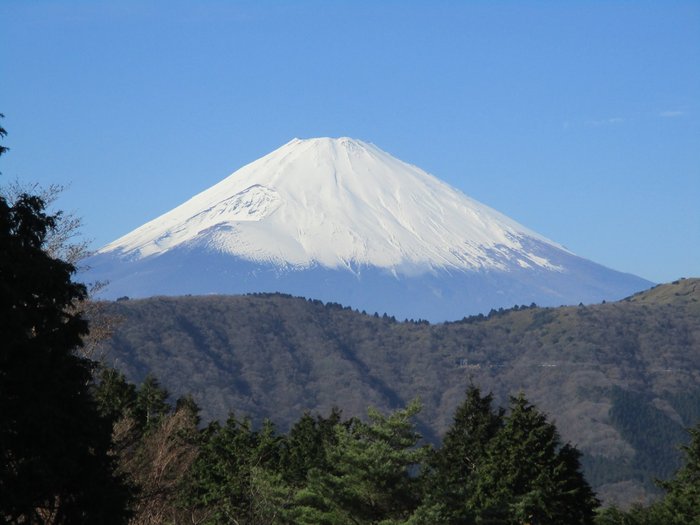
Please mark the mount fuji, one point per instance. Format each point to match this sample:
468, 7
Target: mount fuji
342, 221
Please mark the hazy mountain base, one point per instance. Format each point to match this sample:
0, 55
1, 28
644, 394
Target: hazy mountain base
621, 380
438, 295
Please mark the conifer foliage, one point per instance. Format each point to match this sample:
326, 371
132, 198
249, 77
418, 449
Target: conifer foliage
492, 468
529, 476
54, 462
371, 476
509, 468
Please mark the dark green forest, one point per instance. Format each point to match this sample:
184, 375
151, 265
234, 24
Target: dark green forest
621, 380
494, 466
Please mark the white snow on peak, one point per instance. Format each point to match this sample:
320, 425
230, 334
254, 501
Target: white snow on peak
338, 203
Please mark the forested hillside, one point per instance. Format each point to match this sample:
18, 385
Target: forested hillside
621, 380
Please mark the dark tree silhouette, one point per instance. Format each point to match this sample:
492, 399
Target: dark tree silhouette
54, 465
464, 449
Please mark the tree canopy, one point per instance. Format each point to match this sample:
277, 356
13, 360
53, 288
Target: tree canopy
54, 461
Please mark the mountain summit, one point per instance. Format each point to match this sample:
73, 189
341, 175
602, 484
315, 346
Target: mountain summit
343, 221
338, 203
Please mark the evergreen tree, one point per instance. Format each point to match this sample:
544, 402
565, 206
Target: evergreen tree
372, 476
304, 447
114, 395
235, 466
529, 476
450, 482
151, 403
54, 462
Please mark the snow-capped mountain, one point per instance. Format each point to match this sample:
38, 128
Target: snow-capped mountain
341, 220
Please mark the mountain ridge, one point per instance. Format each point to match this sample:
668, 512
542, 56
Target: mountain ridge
323, 217
591, 368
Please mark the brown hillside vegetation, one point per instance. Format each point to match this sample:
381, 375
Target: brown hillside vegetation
621, 380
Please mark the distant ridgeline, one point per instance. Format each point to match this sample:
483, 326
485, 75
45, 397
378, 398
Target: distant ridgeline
621, 380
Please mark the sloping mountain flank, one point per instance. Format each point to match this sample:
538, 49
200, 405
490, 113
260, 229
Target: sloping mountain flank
621, 380
341, 220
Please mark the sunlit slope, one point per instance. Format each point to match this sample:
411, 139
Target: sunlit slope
341, 220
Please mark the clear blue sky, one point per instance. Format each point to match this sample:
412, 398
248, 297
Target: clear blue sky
581, 120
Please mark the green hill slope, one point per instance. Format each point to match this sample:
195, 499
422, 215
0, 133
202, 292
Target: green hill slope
621, 379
